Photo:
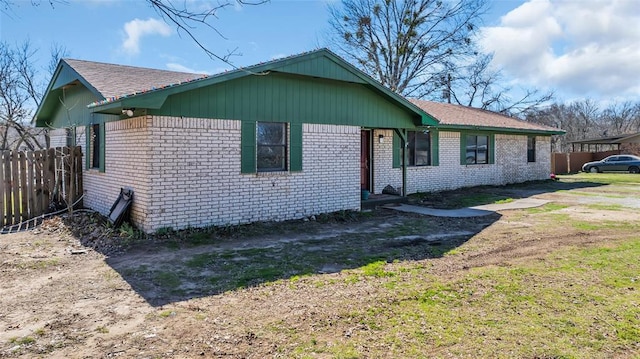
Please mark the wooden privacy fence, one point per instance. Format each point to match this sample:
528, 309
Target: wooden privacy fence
36, 182
564, 163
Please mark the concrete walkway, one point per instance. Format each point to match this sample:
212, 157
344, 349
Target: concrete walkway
475, 211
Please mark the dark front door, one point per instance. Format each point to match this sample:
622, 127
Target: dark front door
365, 160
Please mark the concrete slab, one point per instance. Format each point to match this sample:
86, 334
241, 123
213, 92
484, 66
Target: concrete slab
515, 204
476, 211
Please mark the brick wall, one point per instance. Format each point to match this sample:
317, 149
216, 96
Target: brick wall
510, 165
127, 165
185, 172
197, 181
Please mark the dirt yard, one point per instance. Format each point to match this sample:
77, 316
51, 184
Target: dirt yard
74, 288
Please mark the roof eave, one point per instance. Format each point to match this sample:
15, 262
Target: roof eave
499, 129
155, 99
37, 118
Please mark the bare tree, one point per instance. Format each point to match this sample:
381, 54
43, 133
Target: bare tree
425, 49
559, 116
185, 16
406, 45
186, 19
20, 95
7, 5
584, 120
621, 118
480, 86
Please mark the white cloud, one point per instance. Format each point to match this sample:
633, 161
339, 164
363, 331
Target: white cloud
181, 68
582, 48
136, 29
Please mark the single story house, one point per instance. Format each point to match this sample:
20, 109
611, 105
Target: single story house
280, 140
626, 143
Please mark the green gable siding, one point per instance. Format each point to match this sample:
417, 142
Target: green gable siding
289, 98
320, 67
71, 109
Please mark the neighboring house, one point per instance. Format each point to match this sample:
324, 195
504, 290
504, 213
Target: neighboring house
21, 137
627, 144
280, 140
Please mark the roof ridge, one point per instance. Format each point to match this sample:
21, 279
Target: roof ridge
129, 66
247, 69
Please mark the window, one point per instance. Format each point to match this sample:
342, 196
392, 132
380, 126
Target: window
271, 151
418, 148
531, 149
477, 149
95, 146
422, 148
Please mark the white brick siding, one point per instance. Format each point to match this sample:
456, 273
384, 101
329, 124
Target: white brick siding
510, 165
186, 173
127, 164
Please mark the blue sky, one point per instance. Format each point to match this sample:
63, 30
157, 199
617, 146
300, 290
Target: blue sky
580, 48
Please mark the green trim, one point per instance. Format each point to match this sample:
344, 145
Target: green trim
428, 120
397, 161
248, 147
505, 130
492, 148
491, 142
435, 147
399, 138
102, 144
63, 75
295, 147
87, 147
463, 148
155, 99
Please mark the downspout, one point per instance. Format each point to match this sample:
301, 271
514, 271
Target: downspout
402, 133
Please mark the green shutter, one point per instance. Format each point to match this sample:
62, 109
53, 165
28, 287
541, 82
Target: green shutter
435, 148
248, 147
295, 151
87, 147
102, 146
492, 148
397, 153
463, 148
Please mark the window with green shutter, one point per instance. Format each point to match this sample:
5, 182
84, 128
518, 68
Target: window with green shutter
476, 149
270, 147
95, 141
422, 149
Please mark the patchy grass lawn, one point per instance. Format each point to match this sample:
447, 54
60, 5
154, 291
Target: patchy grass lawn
557, 281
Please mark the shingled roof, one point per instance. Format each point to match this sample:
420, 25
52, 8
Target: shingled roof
458, 116
113, 80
